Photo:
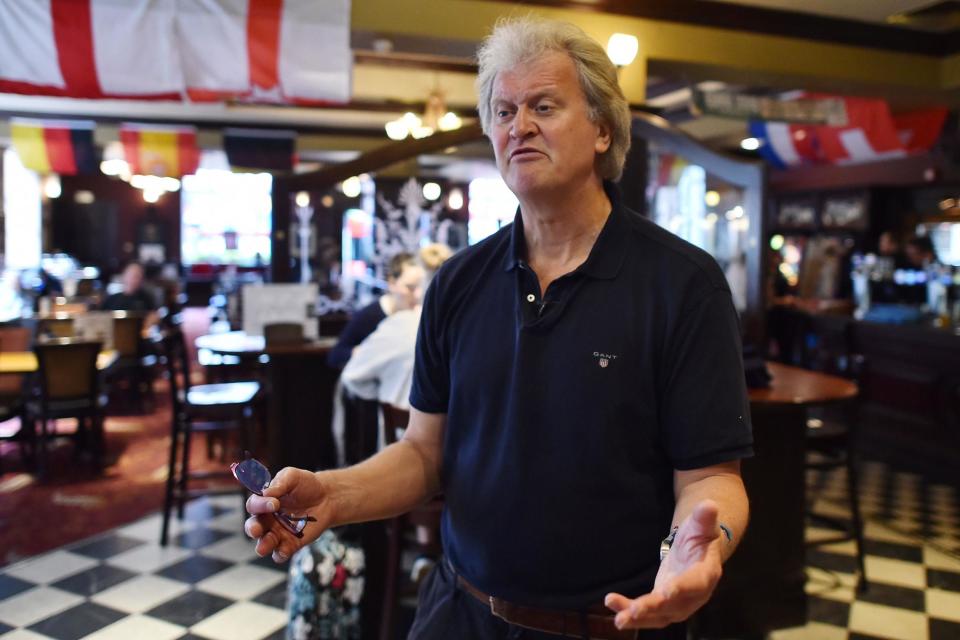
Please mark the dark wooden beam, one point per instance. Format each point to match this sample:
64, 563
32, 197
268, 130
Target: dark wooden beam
382, 157
910, 171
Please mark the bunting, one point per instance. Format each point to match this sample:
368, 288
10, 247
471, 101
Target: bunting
62, 146
160, 151
279, 51
871, 133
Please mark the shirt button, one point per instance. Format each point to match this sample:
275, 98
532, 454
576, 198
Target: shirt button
531, 297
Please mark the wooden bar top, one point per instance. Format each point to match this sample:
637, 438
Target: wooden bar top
796, 386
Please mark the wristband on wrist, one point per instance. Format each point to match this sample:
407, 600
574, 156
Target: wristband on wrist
727, 532
667, 542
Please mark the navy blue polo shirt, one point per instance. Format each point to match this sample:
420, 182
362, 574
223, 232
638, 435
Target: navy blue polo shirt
568, 412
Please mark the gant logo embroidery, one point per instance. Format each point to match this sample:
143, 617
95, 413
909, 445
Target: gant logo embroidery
604, 359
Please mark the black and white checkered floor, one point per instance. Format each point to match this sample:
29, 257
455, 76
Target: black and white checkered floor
209, 583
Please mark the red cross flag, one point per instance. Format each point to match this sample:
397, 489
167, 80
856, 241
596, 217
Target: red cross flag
280, 51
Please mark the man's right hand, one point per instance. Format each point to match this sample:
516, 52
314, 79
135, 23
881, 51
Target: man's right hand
295, 492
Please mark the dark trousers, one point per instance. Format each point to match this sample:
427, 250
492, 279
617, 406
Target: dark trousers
445, 612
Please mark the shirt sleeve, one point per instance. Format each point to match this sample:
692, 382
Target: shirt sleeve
705, 415
430, 391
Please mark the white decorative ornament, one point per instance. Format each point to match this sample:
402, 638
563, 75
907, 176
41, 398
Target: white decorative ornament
353, 590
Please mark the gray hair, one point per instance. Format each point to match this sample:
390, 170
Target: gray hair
518, 40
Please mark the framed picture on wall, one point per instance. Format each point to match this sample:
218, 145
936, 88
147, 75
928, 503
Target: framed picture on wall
845, 210
797, 213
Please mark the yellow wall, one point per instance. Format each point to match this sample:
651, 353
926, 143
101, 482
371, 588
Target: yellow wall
744, 54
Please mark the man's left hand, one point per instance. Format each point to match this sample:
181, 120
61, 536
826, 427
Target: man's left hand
686, 579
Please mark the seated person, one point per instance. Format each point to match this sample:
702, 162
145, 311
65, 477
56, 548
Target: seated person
133, 297
404, 289
381, 367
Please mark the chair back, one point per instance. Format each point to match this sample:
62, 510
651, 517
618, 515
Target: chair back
86, 287
283, 333
394, 418
67, 369
59, 326
174, 351
13, 339
127, 332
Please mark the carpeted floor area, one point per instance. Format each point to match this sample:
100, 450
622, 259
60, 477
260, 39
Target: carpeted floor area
75, 502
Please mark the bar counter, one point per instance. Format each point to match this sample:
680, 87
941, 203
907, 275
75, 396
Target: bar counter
909, 377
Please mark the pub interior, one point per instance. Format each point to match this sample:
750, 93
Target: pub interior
207, 208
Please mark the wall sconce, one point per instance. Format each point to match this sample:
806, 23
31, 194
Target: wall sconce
622, 49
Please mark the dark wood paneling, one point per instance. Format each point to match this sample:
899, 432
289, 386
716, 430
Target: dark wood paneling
76, 227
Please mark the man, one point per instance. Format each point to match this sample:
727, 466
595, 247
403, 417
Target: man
133, 297
578, 394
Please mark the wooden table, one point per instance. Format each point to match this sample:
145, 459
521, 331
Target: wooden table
23, 362
301, 399
763, 584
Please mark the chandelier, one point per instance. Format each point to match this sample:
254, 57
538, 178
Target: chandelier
435, 118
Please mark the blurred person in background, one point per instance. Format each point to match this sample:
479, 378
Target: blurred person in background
134, 296
404, 289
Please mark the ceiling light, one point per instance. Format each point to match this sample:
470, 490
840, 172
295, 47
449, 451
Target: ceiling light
83, 197
302, 199
431, 191
449, 121
327, 201
711, 198
622, 48
396, 129
351, 187
51, 187
421, 132
152, 195
750, 144
455, 200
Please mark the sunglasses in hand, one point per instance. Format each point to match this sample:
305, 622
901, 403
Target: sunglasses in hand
255, 477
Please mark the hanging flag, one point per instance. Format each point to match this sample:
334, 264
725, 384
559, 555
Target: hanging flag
869, 134
55, 146
260, 149
284, 51
785, 145
160, 151
919, 130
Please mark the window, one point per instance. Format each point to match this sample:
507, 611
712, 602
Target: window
226, 218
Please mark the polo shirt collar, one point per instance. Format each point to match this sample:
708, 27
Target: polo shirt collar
608, 252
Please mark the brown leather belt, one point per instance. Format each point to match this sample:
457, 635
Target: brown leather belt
597, 626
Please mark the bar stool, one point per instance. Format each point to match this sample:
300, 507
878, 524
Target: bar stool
831, 445
205, 408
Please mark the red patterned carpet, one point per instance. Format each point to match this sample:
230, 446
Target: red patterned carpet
74, 502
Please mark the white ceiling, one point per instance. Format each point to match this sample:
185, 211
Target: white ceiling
863, 10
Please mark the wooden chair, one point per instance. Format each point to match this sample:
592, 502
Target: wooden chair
206, 408
283, 333
59, 325
418, 530
134, 367
68, 386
